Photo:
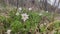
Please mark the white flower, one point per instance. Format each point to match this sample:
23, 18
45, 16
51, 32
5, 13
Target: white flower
8, 31
45, 23
40, 14
30, 8
17, 13
20, 8
24, 17
46, 11
41, 25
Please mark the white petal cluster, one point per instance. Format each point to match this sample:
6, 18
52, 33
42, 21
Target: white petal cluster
17, 14
8, 31
24, 16
45, 23
20, 8
40, 14
46, 11
30, 9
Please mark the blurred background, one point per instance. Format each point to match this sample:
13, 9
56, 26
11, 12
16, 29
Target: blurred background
29, 16
47, 5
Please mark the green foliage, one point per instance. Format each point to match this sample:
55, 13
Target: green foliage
16, 24
2, 18
34, 19
12, 12
43, 28
57, 24
47, 14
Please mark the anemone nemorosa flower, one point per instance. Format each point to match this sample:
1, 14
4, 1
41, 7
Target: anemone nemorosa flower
24, 16
20, 8
8, 31
46, 11
40, 14
30, 8
17, 13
